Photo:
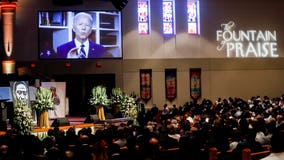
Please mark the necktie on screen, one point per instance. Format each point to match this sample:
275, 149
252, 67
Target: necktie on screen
82, 51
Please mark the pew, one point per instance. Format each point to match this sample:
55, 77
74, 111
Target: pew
248, 155
213, 153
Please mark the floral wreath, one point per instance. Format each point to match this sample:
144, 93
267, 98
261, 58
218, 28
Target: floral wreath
43, 100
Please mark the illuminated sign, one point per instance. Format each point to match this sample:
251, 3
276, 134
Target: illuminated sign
246, 43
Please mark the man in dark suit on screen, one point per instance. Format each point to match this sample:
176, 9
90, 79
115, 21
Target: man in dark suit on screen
81, 46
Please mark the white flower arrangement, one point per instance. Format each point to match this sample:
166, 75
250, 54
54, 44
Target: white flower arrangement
116, 96
129, 107
99, 96
23, 121
127, 103
43, 100
2, 105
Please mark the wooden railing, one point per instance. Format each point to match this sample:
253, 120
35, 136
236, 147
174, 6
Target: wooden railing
213, 153
246, 154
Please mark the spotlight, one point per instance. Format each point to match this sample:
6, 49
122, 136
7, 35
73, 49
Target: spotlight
8, 66
119, 4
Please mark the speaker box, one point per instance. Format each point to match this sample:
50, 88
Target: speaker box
3, 126
119, 4
60, 122
92, 119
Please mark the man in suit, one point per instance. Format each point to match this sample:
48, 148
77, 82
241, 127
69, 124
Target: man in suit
81, 46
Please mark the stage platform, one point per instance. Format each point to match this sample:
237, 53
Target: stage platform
78, 123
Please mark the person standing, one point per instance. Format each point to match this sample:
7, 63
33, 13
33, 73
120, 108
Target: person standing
56, 101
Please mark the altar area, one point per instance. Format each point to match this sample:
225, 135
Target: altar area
76, 122
17, 117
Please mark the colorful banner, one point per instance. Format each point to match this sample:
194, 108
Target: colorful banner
145, 84
171, 84
195, 83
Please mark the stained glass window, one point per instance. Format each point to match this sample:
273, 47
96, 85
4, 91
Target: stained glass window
143, 12
168, 17
193, 17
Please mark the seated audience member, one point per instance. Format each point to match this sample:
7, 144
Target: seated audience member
152, 149
121, 138
261, 135
246, 141
4, 152
190, 145
166, 142
114, 152
277, 144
